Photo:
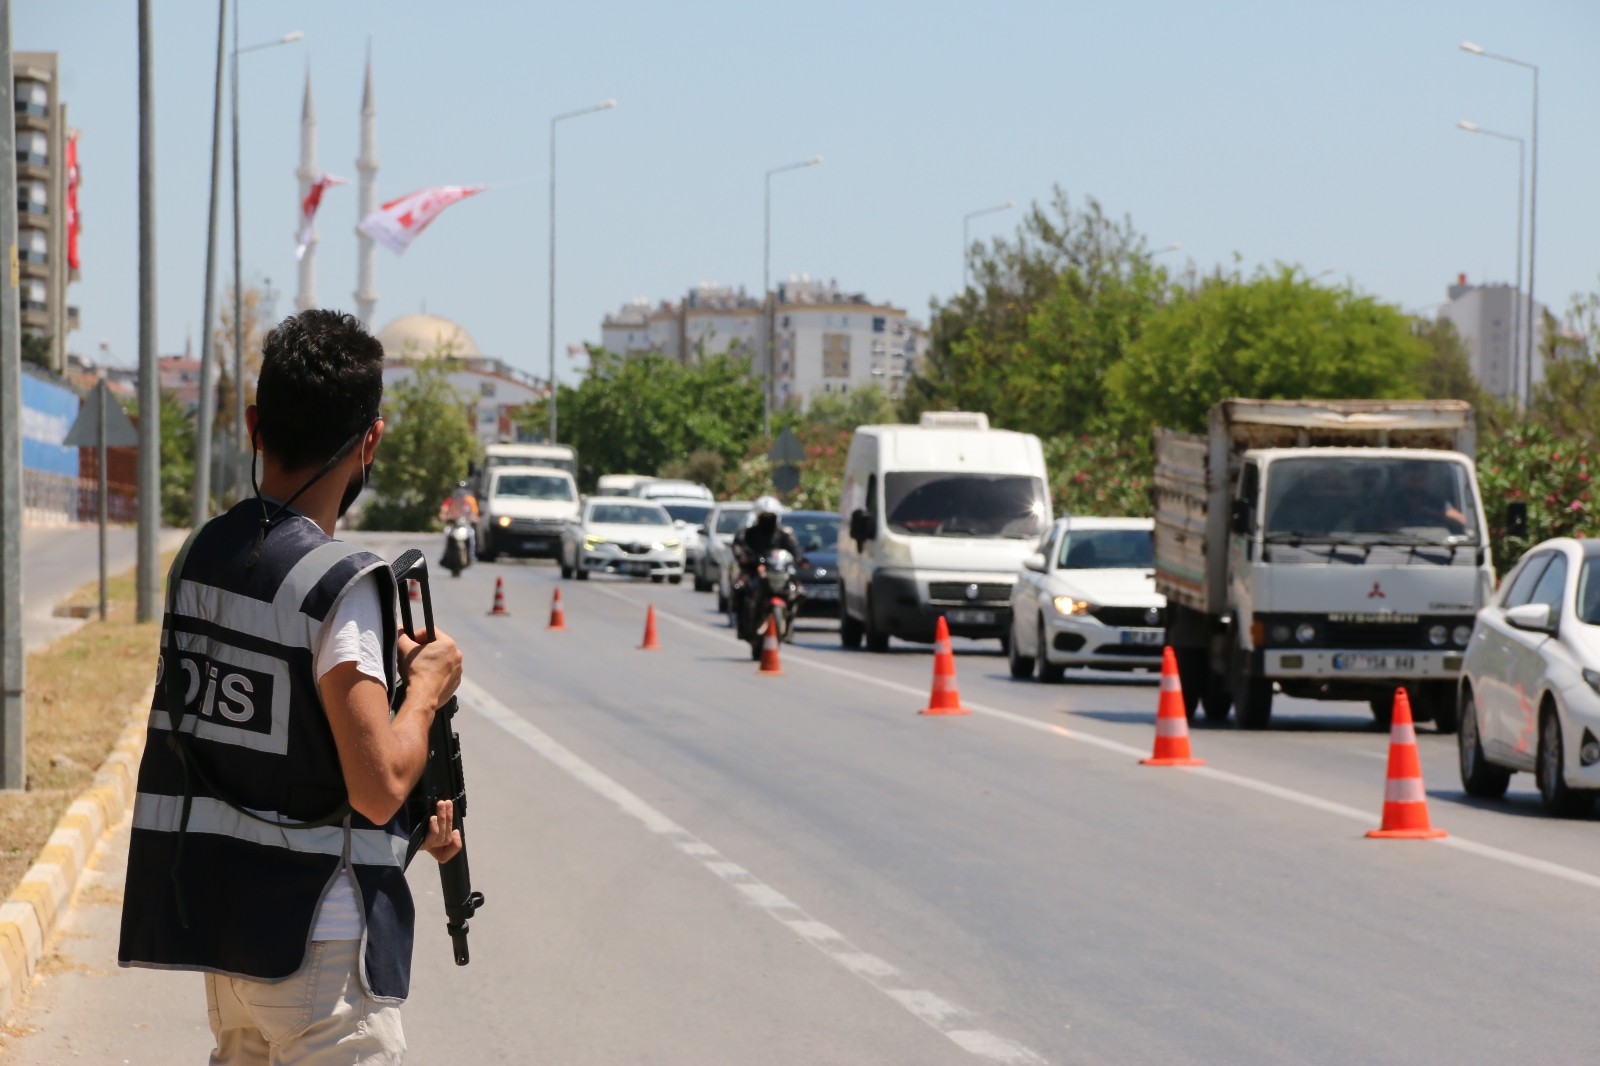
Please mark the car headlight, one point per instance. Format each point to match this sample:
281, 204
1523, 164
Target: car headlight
1593, 677
1461, 634
1069, 606
590, 543
668, 545
1305, 632
1437, 635
503, 521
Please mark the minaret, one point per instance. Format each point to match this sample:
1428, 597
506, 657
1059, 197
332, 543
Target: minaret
306, 298
367, 165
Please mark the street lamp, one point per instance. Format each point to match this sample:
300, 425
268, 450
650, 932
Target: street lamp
966, 244
1520, 361
766, 286
238, 271
605, 105
1533, 199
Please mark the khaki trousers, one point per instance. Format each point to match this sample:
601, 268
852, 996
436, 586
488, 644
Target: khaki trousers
319, 1017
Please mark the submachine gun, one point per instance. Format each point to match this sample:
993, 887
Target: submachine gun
442, 778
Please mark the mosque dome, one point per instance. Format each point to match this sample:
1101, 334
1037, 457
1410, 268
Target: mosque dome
419, 336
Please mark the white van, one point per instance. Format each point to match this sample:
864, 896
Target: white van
524, 510
514, 453
673, 488
938, 518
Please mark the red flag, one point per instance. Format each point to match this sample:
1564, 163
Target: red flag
72, 200
308, 212
397, 223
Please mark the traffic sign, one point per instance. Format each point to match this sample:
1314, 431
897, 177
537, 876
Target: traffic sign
786, 477
101, 414
786, 449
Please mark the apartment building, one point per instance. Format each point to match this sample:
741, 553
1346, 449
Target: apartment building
710, 319
47, 180
829, 341
1491, 320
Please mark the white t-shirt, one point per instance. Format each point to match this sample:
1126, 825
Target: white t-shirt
353, 633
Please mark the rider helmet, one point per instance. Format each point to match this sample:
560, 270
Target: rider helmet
767, 505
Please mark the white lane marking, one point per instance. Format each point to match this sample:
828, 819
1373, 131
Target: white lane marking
922, 1005
1304, 799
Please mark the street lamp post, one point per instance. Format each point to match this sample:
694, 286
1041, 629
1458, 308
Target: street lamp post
966, 243
766, 286
1533, 201
1521, 362
605, 105
206, 413
238, 295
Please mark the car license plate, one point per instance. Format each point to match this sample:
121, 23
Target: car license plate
823, 592
972, 618
1373, 662
636, 568
1143, 636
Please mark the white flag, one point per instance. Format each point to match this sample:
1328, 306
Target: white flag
397, 223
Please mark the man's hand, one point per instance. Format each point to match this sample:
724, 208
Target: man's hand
444, 839
432, 671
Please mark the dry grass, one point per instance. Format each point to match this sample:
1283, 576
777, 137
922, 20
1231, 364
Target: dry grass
79, 693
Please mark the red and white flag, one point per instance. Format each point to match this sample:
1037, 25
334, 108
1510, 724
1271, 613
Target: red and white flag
73, 221
397, 223
308, 212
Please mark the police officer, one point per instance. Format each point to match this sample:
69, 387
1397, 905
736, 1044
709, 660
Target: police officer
751, 546
270, 830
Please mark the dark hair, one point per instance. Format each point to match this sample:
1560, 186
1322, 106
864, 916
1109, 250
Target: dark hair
321, 383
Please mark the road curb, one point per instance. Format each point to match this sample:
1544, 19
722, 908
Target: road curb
29, 915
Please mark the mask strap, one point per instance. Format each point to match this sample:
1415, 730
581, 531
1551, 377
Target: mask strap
267, 519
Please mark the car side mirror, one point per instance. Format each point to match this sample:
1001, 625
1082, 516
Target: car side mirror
1532, 617
1517, 519
1034, 562
1239, 519
863, 527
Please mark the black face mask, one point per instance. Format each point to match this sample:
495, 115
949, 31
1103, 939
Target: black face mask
767, 523
353, 489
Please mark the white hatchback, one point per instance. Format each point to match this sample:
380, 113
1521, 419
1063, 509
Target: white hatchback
1088, 598
622, 535
1530, 683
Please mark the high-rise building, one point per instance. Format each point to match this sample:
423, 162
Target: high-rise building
1492, 322
45, 176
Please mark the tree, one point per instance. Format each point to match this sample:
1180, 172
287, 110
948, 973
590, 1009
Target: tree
253, 305
36, 350
867, 405
177, 447
427, 447
1274, 336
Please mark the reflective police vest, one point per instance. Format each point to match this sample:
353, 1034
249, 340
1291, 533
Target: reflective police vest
210, 887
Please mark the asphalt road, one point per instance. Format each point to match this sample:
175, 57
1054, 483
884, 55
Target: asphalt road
686, 862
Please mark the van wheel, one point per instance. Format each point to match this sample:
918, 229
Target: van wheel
849, 629
877, 641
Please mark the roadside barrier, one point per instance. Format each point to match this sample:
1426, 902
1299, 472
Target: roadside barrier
499, 597
944, 699
1172, 724
769, 650
650, 641
558, 617
1405, 801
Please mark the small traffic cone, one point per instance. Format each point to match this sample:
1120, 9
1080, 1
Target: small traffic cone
769, 650
1172, 724
1405, 802
650, 642
558, 617
499, 597
413, 589
944, 699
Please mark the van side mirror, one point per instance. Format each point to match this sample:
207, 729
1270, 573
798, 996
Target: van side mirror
1517, 519
1240, 516
863, 526
1532, 617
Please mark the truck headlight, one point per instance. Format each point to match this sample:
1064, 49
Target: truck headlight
1280, 633
1068, 606
1305, 632
1461, 634
504, 521
1437, 635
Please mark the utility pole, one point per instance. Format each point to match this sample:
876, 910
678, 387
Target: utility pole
13, 766
208, 399
149, 371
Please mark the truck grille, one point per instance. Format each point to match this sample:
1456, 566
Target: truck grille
1409, 634
960, 594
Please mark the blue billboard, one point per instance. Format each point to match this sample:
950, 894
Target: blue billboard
48, 411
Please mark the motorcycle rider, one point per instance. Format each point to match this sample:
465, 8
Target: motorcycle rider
461, 503
762, 536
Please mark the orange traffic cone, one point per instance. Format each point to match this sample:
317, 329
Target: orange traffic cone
945, 699
1172, 725
413, 589
650, 642
558, 617
1405, 802
499, 597
769, 650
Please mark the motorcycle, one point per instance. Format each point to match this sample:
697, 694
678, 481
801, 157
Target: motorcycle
775, 594
458, 545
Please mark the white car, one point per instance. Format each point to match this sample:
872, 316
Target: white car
725, 519
622, 535
689, 516
1088, 598
1529, 697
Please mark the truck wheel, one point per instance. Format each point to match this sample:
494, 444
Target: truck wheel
1215, 699
849, 628
1021, 665
1049, 672
1382, 711
1479, 777
877, 640
1252, 695
1442, 696
1194, 675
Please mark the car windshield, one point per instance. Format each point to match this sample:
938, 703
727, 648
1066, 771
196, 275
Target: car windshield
815, 533
1107, 549
1378, 500
731, 519
532, 487
629, 514
965, 505
692, 513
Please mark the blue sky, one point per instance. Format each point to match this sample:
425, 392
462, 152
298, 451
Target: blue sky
1322, 135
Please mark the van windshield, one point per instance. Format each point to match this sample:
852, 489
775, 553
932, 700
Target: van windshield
561, 461
533, 487
964, 505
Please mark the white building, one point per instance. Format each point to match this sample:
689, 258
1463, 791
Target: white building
829, 341
711, 319
492, 392
1494, 329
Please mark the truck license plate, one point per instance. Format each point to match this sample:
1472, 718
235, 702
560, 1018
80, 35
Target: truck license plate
1143, 636
972, 618
1373, 662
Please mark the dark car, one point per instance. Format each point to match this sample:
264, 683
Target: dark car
818, 534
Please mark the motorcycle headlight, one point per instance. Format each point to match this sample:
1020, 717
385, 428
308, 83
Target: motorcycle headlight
1437, 635
1068, 606
1461, 634
503, 521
